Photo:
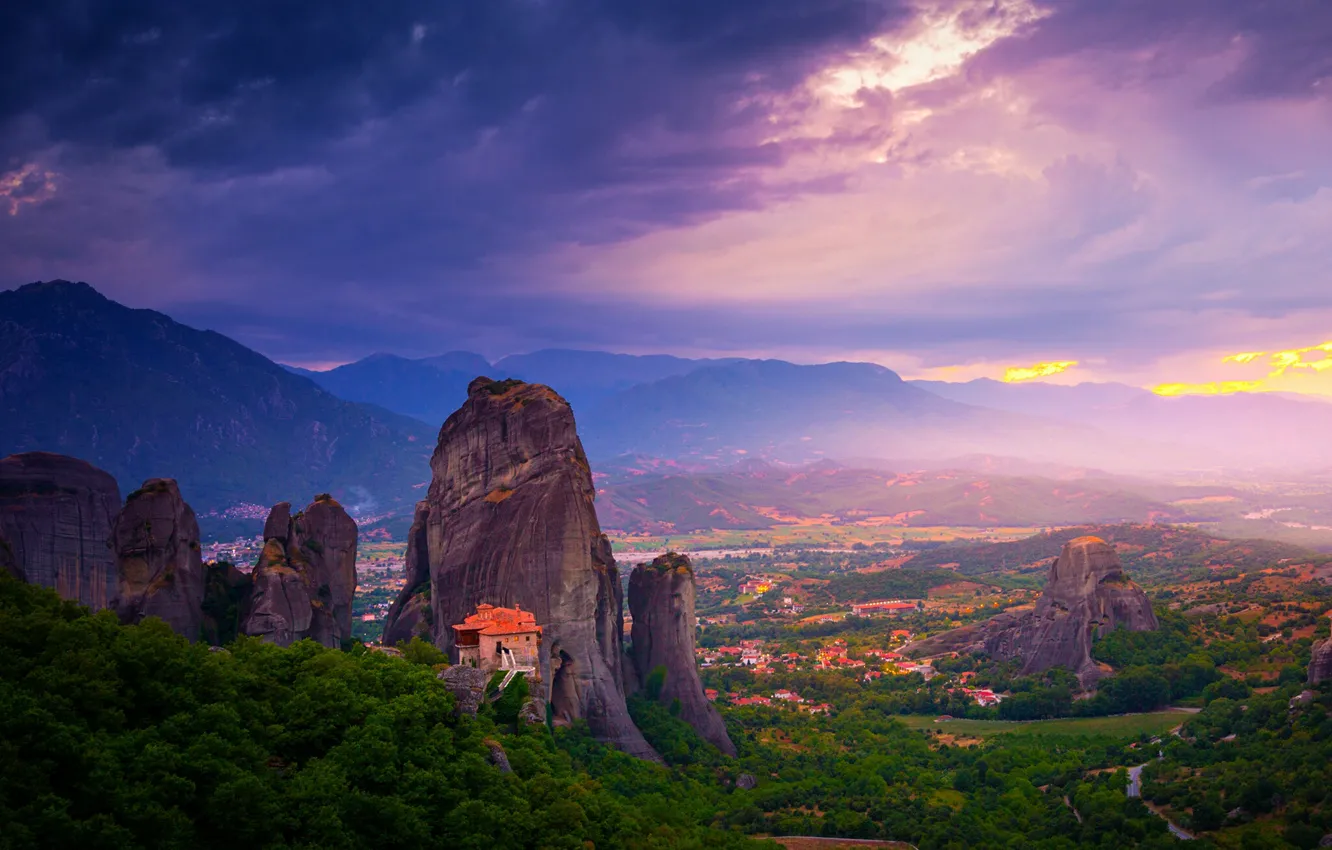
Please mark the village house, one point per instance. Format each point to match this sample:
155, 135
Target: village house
498, 639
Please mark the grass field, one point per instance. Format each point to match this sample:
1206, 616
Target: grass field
1122, 726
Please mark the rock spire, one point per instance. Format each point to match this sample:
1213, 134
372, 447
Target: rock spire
1087, 594
509, 520
305, 578
661, 602
158, 559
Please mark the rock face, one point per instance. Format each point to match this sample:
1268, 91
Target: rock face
1320, 664
509, 520
158, 561
468, 686
661, 602
305, 578
410, 615
56, 514
1086, 595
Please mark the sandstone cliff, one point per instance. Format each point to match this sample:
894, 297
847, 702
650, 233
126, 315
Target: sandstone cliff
305, 578
1320, 663
661, 602
160, 570
509, 520
56, 514
410, 615
1086, 595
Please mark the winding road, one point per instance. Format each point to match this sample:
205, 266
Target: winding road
1135, 790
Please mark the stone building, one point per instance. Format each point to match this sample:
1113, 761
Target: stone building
498, 639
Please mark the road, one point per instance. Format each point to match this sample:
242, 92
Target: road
1135, 790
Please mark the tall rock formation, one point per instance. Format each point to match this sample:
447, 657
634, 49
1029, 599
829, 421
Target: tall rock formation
410, 615
1320, 663
158, 560
1087, 595
56, 514
509, 520
305, 578
661, 602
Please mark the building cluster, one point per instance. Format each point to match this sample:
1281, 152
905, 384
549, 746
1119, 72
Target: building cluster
778, 698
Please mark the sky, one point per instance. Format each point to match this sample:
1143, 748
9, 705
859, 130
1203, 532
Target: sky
1129, 190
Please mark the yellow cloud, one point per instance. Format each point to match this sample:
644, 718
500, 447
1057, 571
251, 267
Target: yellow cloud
1040, 370
1214, 388
1295, 359
1280, 362
1245, 357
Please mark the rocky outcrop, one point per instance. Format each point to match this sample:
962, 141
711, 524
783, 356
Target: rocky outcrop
509, 520
1320, 663
410, 615
468, 686
661, 603
305, 578
498, 756
158, 560
1086, 595
533, 712
56, 514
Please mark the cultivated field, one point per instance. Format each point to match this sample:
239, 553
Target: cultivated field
1122, 726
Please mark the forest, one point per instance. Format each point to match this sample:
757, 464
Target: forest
128, 736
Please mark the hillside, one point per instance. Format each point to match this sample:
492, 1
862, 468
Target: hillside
755, 494
140, 395
1150, 553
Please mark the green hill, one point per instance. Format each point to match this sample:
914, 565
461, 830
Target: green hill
1150, 553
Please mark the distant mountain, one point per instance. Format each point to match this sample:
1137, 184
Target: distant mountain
760, 495
141, 395
412, 388
466, 362
431, 388
1236, 430
778, 410
585, 378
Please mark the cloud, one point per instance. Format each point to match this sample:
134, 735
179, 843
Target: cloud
1016, 374
949, 182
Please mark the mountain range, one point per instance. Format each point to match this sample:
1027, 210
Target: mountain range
141, 395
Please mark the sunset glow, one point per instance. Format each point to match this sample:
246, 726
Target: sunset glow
1215, 388
1016, 374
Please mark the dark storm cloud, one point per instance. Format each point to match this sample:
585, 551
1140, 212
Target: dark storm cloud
405, 142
